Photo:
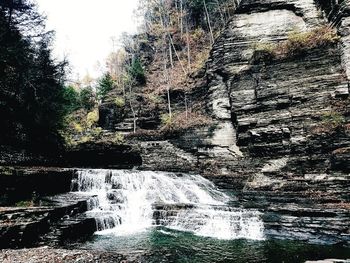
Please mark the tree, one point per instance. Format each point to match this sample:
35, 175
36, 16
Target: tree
105, 85
137, 72
71, 98
87, 98
32, 95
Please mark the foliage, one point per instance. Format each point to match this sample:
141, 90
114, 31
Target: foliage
118, 138
33, 101
333, 118
25, 204
154, 99
92, 118
119, 102
71, 98
183, 121
165, 119
77, 127
195, 10
330, 123
299, 42
87, 98
201, 59
137, 72
96, 132
105, 85
81, 126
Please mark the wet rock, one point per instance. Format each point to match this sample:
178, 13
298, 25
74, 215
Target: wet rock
115, 196
48, 255
27, 183
329, 261
56, 220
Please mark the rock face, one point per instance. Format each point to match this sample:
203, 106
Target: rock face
280, 136
338, 14
18, 184
277, 109
52, 221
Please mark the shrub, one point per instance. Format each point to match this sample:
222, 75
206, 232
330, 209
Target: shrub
201, 59
330, 122
180, 121
197, 36
77, 127
85, 139
118, 138
264, 46
25, 204
333, 118
119, 102
96, 132
92, 118
299, 42
154, 99
166, 119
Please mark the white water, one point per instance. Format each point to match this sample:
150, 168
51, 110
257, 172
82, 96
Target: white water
126, 199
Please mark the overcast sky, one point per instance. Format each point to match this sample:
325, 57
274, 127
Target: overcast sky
84, 29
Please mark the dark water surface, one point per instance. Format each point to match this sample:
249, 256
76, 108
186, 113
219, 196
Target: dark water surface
164, 245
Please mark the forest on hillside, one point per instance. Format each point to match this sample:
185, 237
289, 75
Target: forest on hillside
40, 107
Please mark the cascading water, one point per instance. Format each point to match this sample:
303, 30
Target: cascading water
132, 201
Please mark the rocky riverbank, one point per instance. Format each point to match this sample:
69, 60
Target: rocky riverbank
51, 255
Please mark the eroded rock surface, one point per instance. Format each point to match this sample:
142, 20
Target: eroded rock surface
271, 141
290, 164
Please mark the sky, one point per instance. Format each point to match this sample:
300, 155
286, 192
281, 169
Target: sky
84, 30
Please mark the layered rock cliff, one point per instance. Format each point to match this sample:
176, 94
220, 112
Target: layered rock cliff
278, 110
280, 135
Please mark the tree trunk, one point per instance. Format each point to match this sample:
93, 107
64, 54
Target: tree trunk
171, 56
181, 18
186, 106
177, 55
166, 75
208, 19
188, 49
221, 13
132, 109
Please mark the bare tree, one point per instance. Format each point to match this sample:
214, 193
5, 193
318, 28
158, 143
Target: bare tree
181, 18
188, 49
209, 25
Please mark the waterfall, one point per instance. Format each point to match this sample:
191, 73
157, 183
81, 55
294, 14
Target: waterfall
132, 201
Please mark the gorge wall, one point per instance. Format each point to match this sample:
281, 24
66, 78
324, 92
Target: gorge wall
280, 136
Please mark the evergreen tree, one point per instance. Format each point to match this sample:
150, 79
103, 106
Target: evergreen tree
137, 72
71, 98
32, 104
105, 85
87, 98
